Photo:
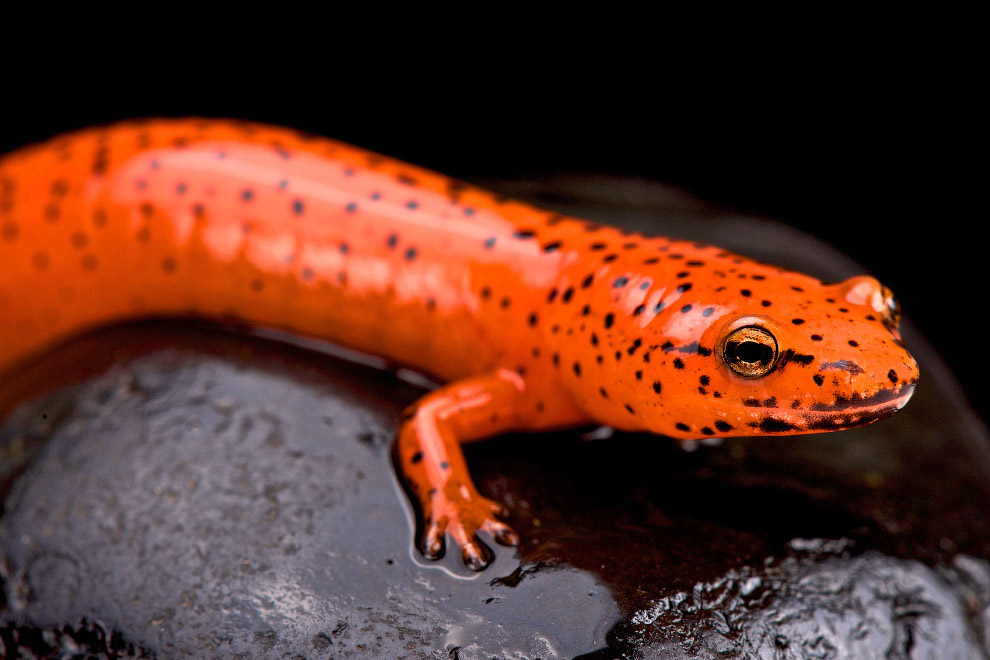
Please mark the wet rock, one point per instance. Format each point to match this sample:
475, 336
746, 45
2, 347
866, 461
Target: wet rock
175, 491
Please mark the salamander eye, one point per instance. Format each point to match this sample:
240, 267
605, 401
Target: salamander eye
892, 309
750, 351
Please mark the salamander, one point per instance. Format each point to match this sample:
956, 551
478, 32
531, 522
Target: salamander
534, 321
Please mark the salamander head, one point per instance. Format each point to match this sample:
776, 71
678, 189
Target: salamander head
764, 351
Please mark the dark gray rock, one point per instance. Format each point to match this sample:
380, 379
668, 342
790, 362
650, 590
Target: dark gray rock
216, 495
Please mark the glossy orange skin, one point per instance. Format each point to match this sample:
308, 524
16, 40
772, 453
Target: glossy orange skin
536, 321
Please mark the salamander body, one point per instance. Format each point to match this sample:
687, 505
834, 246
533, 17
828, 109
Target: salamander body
534, 320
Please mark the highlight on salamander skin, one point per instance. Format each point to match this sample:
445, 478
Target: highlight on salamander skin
532, 320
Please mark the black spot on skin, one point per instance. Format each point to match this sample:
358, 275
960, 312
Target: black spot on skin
651, 261
746, 293
411, 254
707, 430
708, 311
892, 375
765, 303
577, 369
684, 287
486, 293
608, 258
586, 310
524, 233
819, 380
505, 302
556, 359
552, 295
412, 205
533, 319
181, 188
722, 426
468, 211
678, 364
797, 321
551, 247
639, 310
816, 337
644, 286
618, 355
568, 294
609, 319
444, 465
797, 288
704, 380
630, 409
416, 458
247, 195
597, 246
657, 386
620, 281
587, 281
770, 403
752, 402
601, 390
169, 264
844, 365
686, 309
774, 425
298, 207
594, 339
344, 247
682, 426
351, 207
802, 359
639, 375
392, 241
659, 307
635, 346
853, 343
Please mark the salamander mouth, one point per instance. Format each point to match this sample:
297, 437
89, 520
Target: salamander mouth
843, 414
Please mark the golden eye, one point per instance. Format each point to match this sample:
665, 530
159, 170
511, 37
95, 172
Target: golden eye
750, 351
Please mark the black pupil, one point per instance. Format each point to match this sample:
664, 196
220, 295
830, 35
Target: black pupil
752, 352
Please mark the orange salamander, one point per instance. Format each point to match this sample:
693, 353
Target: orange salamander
534, 320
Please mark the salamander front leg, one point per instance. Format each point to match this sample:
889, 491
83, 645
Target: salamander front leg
435, 473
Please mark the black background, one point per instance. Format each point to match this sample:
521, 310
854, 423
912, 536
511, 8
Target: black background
876, 148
